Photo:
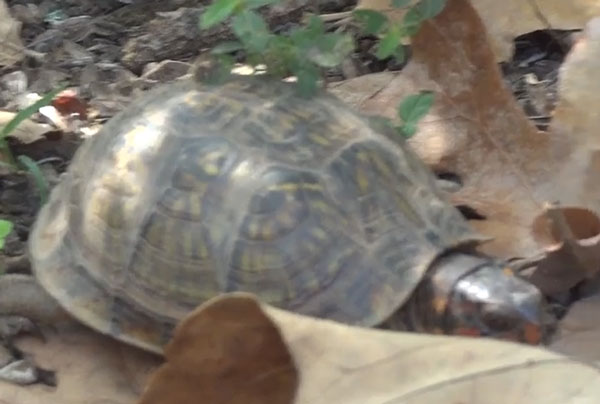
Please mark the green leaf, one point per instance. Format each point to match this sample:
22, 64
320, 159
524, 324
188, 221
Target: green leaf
413, 108
399, 54
407, 130
227, 47
30, 110
315, 26
5, 229
280, 55
372, 21
251, 29
411, 22
218, 12
39, 179
331, 49
429, 8
389, 43
401, 3
305, 37
308, 77
252, 4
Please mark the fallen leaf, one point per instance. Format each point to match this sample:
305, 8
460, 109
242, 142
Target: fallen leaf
337, 363
239, 357
477, 131
579, 331
505, 20
571, 237
90, 369
27, 131
11, 46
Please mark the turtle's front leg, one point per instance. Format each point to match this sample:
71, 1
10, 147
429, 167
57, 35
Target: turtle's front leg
23, 304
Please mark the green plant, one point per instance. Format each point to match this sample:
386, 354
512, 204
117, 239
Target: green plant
302, 51
23, 161
412, 109
391, 34
5, 229
305, 51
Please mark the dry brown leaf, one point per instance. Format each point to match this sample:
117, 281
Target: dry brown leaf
478, 131
11, 46
342, 364
90, 368
579, 331
505, 20
227, 352
27, 131
571, 237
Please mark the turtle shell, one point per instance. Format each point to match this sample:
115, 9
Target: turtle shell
198, 189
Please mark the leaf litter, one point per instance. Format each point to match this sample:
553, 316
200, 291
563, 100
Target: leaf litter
476, 130
117, 372
328, 362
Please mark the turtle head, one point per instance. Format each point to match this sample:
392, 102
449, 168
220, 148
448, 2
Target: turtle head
493, 301
470, 295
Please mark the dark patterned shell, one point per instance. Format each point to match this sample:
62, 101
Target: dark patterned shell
196, 190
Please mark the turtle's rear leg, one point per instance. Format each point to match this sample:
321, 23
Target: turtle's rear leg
23, 306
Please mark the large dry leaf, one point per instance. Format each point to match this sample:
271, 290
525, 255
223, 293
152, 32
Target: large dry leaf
571, 237
11, 46
27, 131
90, 369
579, 331
342, 364
478, 131
507, 19
227, 352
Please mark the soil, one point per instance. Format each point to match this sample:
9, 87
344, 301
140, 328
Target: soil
111, 50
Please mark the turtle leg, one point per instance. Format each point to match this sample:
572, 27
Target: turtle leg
24, 305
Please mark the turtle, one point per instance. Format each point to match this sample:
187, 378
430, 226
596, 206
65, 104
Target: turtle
199, 189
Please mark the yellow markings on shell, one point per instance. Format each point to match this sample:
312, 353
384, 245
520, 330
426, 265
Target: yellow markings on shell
361, 180
270, 259
334, 264
187, 244
202, 250
211, 169
286, 187
320, 234
310, 246
312, 186
170, 241
286, 125
439, 304
287, 219
246, 261
320, 205
191, 100
115, 218
408, 210
362, 156
155, 233
305, 113
97, 206
383, 167
253, 229
267, 231
296, 186
195, 206
319, 139
178, 205
508, 271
